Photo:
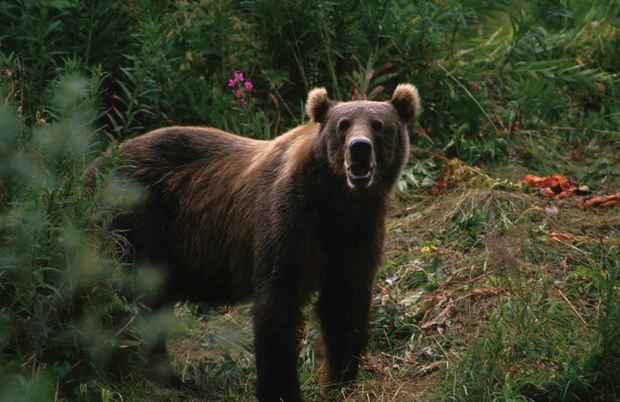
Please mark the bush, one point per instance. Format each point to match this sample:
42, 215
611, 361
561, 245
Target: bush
61, 289
486, 69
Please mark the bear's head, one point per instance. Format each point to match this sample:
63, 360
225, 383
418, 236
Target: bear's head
366, 143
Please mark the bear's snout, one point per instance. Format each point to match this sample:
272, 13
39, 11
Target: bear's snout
360, 162
361, 151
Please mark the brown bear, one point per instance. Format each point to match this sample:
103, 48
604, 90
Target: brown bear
227, 218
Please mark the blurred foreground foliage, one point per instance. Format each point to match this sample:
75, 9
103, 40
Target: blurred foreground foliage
78, 76
65, 304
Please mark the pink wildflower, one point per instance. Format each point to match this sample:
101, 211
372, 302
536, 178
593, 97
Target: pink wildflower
239, 93
232, 83
249, 86
238, 76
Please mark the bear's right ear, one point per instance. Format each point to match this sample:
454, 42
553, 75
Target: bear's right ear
406, 101
318, 104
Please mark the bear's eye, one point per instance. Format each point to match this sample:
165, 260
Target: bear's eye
376, 125
344, 124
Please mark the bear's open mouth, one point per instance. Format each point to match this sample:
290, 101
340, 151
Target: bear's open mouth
359, 175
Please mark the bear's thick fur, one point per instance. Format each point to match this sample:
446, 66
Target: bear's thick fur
228, 218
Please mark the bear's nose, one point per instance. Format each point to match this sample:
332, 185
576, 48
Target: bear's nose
360, 149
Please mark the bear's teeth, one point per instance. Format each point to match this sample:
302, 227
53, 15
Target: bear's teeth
360, 170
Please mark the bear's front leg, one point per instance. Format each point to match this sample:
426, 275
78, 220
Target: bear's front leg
343, 309
344, 302
277, 317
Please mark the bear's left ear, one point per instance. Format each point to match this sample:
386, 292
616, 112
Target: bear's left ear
318, 104
406, 101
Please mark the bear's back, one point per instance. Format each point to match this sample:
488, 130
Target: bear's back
209, 192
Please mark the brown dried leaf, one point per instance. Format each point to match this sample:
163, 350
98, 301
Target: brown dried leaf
603, 201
